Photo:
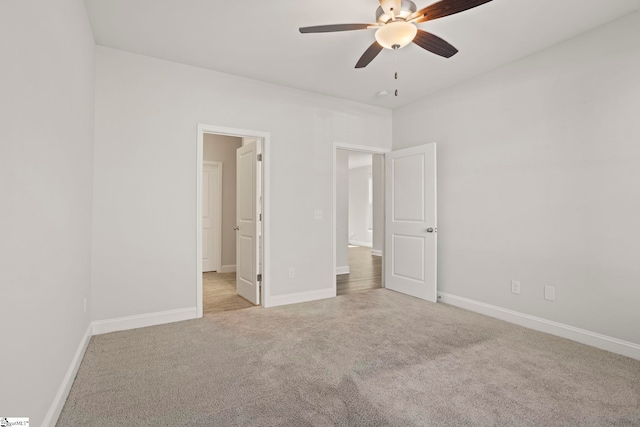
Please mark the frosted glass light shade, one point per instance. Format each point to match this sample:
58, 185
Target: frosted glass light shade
396, 33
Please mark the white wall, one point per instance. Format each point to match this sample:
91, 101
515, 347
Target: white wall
538, 176
342, 211
144, 242
223, 148
359, 218
46, 154
377, 173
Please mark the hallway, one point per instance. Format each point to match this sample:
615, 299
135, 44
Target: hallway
219, 293
365, 272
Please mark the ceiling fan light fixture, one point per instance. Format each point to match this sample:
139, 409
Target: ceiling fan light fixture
398, 33
403, 10
391, 7
397, 28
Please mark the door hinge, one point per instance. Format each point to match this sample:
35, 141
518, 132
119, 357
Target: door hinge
259, 217
260, 277
260, 157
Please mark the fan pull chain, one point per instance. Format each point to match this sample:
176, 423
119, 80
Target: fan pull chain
396, 66
396, 83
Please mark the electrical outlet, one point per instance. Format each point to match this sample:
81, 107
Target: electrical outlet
550, 293
292, 273
515, 287
85, 304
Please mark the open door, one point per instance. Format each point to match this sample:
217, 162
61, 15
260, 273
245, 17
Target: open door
410, 222
247, 232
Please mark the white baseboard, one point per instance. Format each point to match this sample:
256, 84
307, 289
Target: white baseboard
359, 243
143, 320
342, 270
583, 336
55, 409
376, 252
228, 268
301, 297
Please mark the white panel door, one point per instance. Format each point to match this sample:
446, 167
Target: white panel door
410, 224
211, 216
247, 236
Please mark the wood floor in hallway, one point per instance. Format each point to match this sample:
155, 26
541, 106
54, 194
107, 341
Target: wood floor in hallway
219, 293
219, 289
365, 272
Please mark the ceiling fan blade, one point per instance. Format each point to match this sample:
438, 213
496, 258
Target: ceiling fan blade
333, 28
369, 55
446, 8
434, 44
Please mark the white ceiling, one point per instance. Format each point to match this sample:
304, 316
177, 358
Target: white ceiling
259, 39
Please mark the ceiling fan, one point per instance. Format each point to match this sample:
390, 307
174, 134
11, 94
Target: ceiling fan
396, 27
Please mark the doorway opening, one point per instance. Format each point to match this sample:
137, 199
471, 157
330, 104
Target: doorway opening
219, 199
232, 220
359, 218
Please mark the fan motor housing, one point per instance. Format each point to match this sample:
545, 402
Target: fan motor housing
408, 8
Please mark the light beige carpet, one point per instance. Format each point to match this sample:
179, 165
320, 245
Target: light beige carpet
374, 358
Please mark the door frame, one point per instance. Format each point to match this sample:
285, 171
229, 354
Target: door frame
217, 226
364, 149
203, 129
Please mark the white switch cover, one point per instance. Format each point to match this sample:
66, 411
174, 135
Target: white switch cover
317, 214
549, 293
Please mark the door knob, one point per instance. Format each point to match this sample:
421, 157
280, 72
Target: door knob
236, 228
429, 230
